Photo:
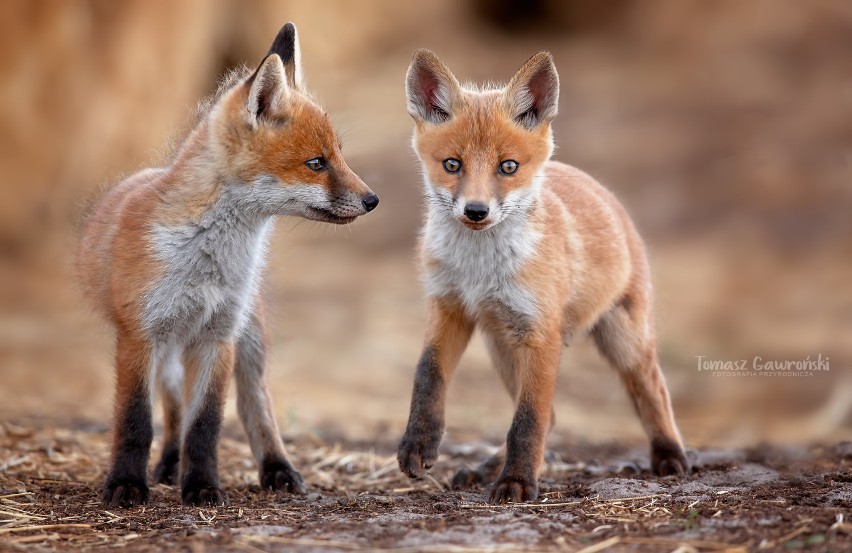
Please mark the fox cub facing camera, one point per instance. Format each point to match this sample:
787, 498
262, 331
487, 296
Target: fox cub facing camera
173, 257
531, 251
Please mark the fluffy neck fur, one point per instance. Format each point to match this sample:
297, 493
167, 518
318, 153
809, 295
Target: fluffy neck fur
211, 240
480, 266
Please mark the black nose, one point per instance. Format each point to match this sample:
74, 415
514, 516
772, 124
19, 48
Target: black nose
476, 211
370, 201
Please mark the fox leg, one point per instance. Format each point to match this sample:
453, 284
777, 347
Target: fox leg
254, 405
485, 473
208, 366
171, 388
126, 484
536, 362
629, 345
488, 470
448, 335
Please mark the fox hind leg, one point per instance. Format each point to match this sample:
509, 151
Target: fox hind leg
485, 473
208, 366
170, 378
254, 405
625, 338
489, 470
536, 361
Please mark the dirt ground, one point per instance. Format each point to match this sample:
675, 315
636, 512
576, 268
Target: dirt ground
593, 498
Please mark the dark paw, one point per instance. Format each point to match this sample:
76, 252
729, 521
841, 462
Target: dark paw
466, 479
281, 476
125, 492
513, 490
668, 458
416, 455
202, 496
166, 473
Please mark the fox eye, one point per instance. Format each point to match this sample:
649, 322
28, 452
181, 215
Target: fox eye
316, 164
452, 165
508, 167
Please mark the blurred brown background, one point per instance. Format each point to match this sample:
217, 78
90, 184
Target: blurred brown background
725, 127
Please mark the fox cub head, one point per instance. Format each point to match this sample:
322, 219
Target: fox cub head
275, 141
482, 150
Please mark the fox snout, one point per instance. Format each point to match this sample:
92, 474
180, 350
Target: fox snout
476, 214
370, 201
343, 201
476, 211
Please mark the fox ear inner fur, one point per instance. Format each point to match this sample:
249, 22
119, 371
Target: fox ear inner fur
267, 90
431, 88
532, 96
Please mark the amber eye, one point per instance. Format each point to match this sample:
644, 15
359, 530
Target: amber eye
452, 165
508, 167
316, 164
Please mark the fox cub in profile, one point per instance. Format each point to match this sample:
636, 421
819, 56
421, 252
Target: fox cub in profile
531, 251
173, 256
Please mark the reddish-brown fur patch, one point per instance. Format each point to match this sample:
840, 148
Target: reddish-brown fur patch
304, 132
482, 135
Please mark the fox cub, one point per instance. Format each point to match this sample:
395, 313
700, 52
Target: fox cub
173, 256
531, 251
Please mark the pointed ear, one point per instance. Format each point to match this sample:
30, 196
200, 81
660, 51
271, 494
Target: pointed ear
432, 90
532, 96
267, 90
286, 45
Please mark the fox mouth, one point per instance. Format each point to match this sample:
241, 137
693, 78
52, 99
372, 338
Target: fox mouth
481, 225
328, 216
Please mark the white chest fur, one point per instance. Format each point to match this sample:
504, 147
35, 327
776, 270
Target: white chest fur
212, 273
480, 266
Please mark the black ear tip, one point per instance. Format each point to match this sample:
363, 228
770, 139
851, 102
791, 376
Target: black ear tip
284, 43
288, 31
